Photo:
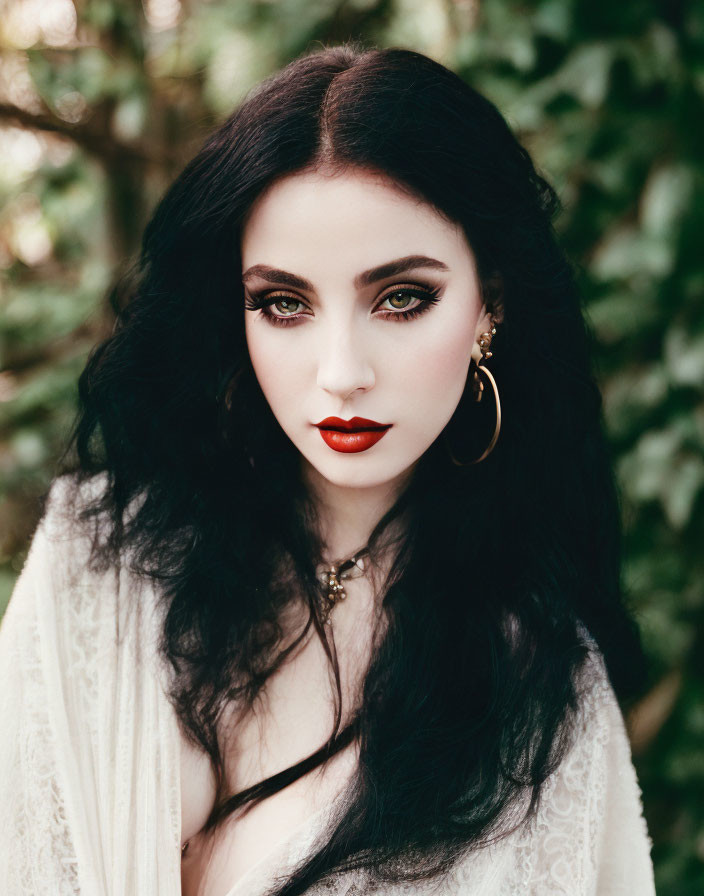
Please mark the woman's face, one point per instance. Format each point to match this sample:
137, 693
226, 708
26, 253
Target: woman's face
374, 307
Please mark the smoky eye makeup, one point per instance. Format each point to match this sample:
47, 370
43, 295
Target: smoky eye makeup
424, 295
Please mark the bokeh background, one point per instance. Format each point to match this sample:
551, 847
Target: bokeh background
103, 101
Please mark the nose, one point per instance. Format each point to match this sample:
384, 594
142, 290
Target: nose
343, 364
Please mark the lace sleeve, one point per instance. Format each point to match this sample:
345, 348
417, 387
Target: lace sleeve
88, 742
589, 837
37, 852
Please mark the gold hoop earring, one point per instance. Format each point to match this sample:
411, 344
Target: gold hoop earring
478, 390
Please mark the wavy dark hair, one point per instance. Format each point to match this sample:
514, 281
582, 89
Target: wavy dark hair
470, 693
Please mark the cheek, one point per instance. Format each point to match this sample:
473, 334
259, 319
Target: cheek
446, 365
434, 376
277, 365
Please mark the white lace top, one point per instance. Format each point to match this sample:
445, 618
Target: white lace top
90, 766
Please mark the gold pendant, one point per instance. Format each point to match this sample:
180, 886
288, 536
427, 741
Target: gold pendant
336, 592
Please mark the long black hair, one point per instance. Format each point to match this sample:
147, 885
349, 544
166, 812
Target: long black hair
502, 565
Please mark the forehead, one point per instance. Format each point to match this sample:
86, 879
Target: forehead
337, 217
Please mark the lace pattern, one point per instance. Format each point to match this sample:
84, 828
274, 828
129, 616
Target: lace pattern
588, 837
89, 760
37, 851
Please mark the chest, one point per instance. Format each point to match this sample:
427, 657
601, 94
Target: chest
293, 719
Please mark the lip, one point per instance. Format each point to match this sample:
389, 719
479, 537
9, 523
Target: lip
353, 441
351, 436
356, 424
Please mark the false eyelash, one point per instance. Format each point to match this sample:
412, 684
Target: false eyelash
428, 295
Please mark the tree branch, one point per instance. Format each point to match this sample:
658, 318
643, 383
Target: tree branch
98, 143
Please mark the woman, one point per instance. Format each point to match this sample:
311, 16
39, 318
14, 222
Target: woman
328, 598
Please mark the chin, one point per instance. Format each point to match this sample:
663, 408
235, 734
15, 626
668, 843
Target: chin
367, 475
349, 479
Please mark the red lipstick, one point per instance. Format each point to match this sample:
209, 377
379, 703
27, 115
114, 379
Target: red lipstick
351, 436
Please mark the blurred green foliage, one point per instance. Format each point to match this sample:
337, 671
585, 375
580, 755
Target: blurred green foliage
102, 102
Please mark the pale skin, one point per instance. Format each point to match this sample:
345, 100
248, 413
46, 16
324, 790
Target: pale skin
344, 355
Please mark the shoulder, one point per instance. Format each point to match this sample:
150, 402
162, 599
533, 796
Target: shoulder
598, 704
57, 558
63, 524
71, 589
68, 535
62, 537
90, 611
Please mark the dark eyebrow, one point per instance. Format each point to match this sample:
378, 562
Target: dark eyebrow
389, 269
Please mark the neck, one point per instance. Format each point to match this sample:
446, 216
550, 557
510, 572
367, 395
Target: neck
348, 514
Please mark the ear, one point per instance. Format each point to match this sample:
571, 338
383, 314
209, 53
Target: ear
492, 294
483, 323
487, 319
491, 315
483, 326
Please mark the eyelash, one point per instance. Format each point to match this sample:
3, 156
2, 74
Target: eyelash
428, 295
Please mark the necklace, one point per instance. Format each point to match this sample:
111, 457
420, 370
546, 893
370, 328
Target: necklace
333, 575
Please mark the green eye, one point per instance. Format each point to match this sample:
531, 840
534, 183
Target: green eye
399, 297
280, 302
400, 294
